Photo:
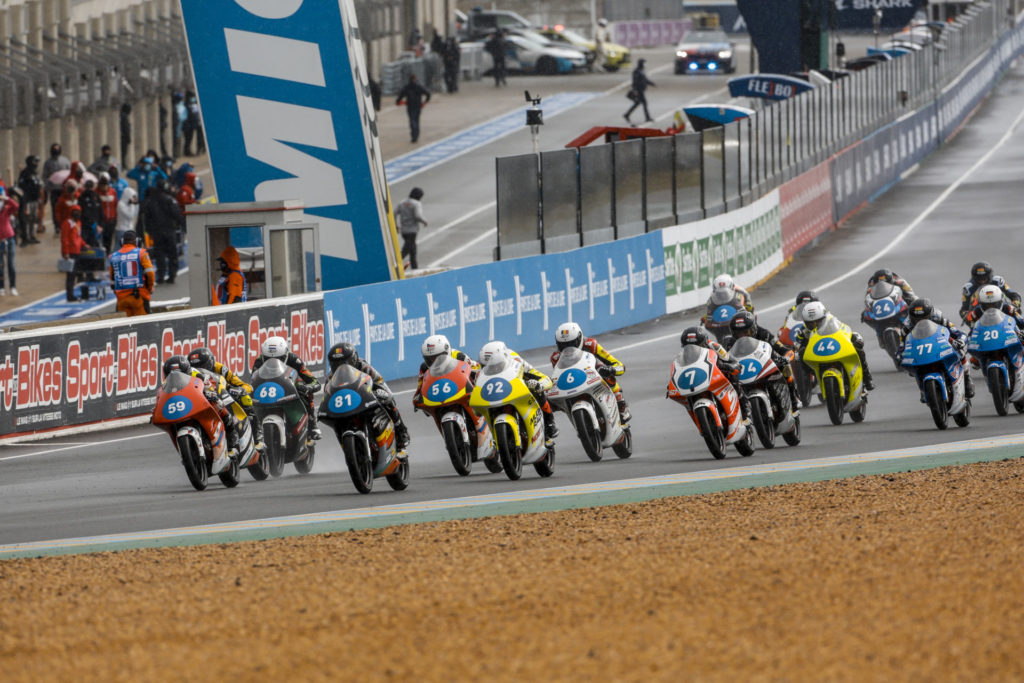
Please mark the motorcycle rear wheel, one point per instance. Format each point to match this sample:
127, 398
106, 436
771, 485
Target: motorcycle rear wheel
511, 455
194, 462
458, 449
589, 437
833, 400
792, 437
399, 481
936, 403
260, 470
360, 468
891, 344
804, 384
624, 448
493, 464
711, 433
229, 477
1000, 392
763, 424
546, 466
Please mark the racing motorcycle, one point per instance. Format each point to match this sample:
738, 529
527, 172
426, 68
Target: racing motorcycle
833, 359
280, 407
771, 410
699, 385
515, 418
939, 371
886, 312
445, 396
364, 429
803, 378
721, 309
197, 431
581, 393
996, 348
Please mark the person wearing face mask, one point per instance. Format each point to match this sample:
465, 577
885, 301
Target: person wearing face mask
56, 162
32, 188
232, 287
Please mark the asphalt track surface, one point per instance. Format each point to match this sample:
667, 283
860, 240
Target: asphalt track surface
962, 205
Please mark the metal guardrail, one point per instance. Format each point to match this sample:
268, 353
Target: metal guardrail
564, 199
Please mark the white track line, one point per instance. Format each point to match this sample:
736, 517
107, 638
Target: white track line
463, 248
68, 448
480, 209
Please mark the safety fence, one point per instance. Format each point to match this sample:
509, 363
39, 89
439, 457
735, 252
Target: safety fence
565, 199
110, 371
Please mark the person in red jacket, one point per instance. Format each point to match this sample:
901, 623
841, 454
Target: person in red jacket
187, 192
68, 199
71, 245
108, 213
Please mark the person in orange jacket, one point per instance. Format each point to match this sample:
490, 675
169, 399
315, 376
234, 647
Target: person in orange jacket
132, 276
71, 245
231, 288
187, 192
67, 200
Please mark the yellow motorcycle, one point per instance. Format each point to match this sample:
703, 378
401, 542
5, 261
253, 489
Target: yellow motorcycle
515, 418
834, 361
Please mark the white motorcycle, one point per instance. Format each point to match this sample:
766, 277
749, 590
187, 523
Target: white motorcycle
582, 394
770, 407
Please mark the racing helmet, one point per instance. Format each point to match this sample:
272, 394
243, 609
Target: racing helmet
805, 296
882, 275
492, 352
813, 314
179, 363
274, 347
435, 346
743, 324
920, 309
990, 296
981, 273
694, 335
342, 353
202, 358
569, 335
724, 281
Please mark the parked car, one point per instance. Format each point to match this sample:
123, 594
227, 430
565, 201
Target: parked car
480, 23
536, 36
708, 50
616, 56
528, 55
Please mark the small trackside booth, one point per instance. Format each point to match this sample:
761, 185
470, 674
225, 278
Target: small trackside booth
279, 249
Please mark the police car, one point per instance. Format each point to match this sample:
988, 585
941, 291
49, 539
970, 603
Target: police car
705, 50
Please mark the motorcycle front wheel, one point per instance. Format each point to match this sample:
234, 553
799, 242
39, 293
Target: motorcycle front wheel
833, 399
360, 468
589, 437
712, 434
937, 404
273, 451
194, 462
511, 455
1000, 393
763, 424
458, 449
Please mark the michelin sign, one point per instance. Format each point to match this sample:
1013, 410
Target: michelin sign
285, 99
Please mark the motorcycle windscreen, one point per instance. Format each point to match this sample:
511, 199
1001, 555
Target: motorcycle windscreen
689, 355
924, 330
345, 375
176, 381
569, 357
830, 326
881, 290
495, 367
993, 317
442, 365
272, 369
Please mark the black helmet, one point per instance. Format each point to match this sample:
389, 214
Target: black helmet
981, 273
340, 353
882, 275
164, 185
921, 309
31, 161
743, 324
202, 358
129, 237
179, 363
805, 296
694, 335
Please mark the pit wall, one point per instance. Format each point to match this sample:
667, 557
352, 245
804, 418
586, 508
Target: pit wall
108, 372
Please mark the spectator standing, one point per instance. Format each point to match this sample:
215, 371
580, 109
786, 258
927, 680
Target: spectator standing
451, 55
413, 95
8, 244
193, 125
71, 246
410, 218
56, 162
179, 113
125, 121
187, 192
162, 219
127, 212
497, 47
146, 175
104, 161
637, 93
375, 94
32, 189
108, 219
601, 40
68, 200
437, 44
131, 276
77, 174
232, 287
117, 182
92, 213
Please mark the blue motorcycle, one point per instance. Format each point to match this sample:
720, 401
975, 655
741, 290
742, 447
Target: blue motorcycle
939, 371
721, 309
997, 349
886, 312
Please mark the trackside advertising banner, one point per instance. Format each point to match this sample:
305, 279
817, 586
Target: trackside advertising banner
520, 302
286, 109
805, 203
99, 371
746, 243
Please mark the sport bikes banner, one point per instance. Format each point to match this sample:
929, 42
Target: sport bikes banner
286, 108
100, 371
520, 302
746, 243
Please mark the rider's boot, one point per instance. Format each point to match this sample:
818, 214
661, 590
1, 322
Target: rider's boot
550, 429
794, 400
401, 434
624, 415
314, 432
869, 382
968, 382
231, 431
257, 429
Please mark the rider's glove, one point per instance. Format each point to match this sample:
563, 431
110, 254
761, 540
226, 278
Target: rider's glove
619, 369
782, 361
533, 385
211, 396
864, 316
382, 394
606, 372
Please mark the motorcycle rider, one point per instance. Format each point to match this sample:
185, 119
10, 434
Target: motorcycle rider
570, 334
922, 309
893, 278
981, 275
724, 290
216, 399
536, 381
433, 347
202, 358
991, 296
344, 353
814, 315
730, 368
744, 324
278, 347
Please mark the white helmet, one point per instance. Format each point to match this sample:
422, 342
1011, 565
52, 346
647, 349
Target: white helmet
990, 296
602, 21
433, 346
493, 352
569, 334
813, 313
274, 347
724, 281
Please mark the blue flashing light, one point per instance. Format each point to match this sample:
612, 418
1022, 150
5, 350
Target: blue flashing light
693, 66
712, 66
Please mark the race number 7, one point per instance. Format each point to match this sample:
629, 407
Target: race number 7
922, 349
